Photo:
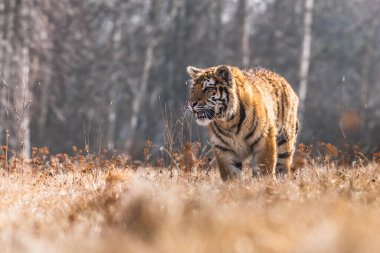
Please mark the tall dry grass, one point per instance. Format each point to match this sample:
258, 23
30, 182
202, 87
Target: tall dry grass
72, 204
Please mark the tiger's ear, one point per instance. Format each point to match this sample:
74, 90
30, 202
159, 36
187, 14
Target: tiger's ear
224, 73
193, 72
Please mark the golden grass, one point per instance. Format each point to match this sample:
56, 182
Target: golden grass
320, 209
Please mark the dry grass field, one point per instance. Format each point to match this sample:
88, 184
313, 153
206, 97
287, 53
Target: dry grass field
70, 204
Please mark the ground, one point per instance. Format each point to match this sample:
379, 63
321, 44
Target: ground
82, 208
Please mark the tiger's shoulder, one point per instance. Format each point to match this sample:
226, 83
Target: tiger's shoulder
264, 76
268, 81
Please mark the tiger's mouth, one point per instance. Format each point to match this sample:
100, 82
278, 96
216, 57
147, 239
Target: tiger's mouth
204, 114
204, 117
201, 115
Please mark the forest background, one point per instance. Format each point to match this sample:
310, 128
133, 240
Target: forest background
112, 73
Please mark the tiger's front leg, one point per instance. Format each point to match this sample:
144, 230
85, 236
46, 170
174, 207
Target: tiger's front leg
230, 166
266, 157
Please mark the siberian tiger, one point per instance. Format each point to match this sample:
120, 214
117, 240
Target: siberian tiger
249, 113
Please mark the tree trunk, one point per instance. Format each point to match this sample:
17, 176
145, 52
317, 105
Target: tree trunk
218, 30
155, 36
140, 93
112, 119
4, 72
305, 57
22, 97
45, 84
364, 90
245, 50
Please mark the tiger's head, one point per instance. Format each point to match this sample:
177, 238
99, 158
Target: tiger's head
212, 93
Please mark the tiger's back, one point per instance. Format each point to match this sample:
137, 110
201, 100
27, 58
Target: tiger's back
248, 113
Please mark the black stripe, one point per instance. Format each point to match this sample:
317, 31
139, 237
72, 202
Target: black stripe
237, 165
283, 155
227, 93
282, 107
219, 137
278, 103
281, 142
221, 131
286, 99
242, 117
252, 131
297, 126
223, 148
255, 142
220, 93
281, 139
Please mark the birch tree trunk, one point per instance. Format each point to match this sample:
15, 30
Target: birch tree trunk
305, 57
156, 35
364, 83
21, 71
23, 105
140, 93
218, 30
4, 47
245, 50
45, 84
112, 119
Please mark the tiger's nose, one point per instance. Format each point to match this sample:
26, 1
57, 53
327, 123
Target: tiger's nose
193, 104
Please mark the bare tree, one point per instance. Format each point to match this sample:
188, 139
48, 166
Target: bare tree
305, 57
365, 73
156, 32
19, 68
245, 46
114, 63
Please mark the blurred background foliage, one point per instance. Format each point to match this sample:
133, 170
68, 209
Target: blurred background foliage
112, 73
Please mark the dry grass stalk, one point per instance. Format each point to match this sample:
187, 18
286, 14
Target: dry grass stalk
61, 207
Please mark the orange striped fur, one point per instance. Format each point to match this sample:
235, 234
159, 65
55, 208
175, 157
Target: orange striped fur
248, 114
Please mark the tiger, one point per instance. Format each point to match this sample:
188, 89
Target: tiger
249, 114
